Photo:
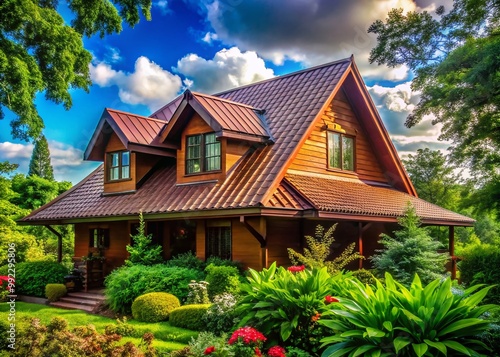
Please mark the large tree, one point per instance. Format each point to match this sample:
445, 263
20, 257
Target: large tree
454, 56
40, 53
40, 160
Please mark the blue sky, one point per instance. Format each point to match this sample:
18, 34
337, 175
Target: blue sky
212, 45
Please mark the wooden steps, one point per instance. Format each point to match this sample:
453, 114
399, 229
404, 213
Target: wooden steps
80, 301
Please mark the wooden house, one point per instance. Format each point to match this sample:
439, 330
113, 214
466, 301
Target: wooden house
246, 173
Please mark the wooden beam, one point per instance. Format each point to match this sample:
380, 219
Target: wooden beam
261, 238
451, 246
59, 242
360, 242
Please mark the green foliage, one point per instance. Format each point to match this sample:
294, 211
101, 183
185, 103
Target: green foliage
198, 345
40, 52
214, 260
154, 307
222, 279
284, 306
297, 352
479, 265
32, 277
198, 293
143, 251
221, 316
411, 251
319, 249
40, 160
54, 292
125, 284
364, 276
393, 320
33, 191
454, 56
189, 316
122, 328
186, 260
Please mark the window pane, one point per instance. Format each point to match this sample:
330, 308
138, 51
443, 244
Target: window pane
194, 140
218, 242
193, 166
125, 158
114, 160
210, 138
193, 152
114, 173
334, 150
125, 172
348, 153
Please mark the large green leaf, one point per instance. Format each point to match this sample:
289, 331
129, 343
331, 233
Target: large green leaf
400, 343
441, 347
419, 348
464, 325
337, 350
454, 345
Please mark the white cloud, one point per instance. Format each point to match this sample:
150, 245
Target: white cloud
229, 68
149, 84
9, 151
163, 6
210, 37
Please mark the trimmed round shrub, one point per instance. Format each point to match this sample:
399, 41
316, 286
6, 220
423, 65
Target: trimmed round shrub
125, 284
32, 277
222, 279
365, 276
154, 307
189, 316
54, 292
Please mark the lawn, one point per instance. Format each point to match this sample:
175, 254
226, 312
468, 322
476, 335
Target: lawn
167, 337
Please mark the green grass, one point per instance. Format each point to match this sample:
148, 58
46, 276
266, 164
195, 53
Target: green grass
167, 337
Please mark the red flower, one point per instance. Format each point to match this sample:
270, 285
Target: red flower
276, 351
296, 268
329, 299
257, 352
316, 317
209, 350
247, 335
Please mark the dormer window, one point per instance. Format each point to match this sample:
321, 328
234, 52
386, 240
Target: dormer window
118, 165
340, 151
203, 153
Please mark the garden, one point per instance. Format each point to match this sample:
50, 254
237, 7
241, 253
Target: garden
185, 307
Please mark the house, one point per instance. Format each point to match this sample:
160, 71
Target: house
246, 173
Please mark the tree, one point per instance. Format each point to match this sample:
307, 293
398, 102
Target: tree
411, 251
39, 52
40, 160
143, 251
457, 70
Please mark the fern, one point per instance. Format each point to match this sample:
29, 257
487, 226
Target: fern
319, 249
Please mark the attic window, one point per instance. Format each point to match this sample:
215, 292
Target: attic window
118, 165
203, 153
340, 151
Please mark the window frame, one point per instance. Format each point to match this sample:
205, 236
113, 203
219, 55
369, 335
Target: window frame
102, 236
109, 166
203, 154
341, 135
219, 225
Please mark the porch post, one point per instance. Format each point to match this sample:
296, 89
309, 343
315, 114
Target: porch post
360, 243
451, 246
59, 242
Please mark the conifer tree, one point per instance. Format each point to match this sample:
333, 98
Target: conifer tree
40, 160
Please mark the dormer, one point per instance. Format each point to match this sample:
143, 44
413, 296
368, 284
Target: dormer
128, 146
211, 134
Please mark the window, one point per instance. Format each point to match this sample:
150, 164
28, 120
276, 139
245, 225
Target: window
203, 153
118, 165
218, 242
99, 238
340, 151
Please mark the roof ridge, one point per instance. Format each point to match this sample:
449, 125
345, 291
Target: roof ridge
166, 105
347, 59
223, 100
135, 115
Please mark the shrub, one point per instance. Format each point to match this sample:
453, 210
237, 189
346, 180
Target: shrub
154, 307
125, 284
365, 276
122, 328
198, 346
54, 292
143, 251
186, 260
477, 265
198, 293
189, 316
397, 321
222, 279
412, 251
32, 277
217, 261
221, 315
285, 306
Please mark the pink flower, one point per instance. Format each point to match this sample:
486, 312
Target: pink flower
209, 350
329, 299
247, 335
276, 351
296, 268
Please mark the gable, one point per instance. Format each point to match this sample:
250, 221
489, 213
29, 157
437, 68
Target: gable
312, 155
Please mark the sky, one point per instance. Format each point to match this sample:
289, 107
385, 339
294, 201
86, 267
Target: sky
213, 45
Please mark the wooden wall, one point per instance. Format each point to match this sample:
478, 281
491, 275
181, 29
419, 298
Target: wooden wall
115, 144
312, 157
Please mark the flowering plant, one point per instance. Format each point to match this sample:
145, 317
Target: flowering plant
329, 299
247, 342
276, 351
4, 287
296, 268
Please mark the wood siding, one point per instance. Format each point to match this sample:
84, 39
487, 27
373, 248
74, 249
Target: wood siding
114, 144
234, 151
312, 156
144, 163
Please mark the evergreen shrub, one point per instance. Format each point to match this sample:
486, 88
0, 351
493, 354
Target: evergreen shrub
222, 279
189, 316
54, 292
32, 277
154, 307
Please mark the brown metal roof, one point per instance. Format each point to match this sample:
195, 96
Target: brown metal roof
353, 197
166, 112
136, 129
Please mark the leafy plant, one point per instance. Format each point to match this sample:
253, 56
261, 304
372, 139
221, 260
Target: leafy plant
54, 292
32, 277
198, 346
222, 279
411, 251
143, 251
319, 249
198, 293
221, 315
393, 320
365, 276
189, 316
285, 306
154, 307
186, 260
122, 328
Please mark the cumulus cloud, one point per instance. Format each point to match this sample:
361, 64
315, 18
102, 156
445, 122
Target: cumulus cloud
311, 32
149, 84
210, 37
229, 68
